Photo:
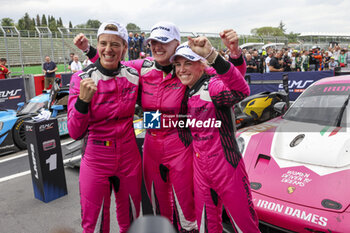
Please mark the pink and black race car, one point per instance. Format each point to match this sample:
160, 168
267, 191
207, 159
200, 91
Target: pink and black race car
299, 164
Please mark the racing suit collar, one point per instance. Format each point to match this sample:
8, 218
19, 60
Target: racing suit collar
167, 69
105, 71
205, 77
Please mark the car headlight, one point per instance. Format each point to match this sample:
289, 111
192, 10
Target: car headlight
1, 125
241, 144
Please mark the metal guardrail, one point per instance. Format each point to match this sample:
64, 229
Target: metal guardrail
45, 31
13, 32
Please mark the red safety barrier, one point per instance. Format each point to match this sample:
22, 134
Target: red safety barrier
39, 83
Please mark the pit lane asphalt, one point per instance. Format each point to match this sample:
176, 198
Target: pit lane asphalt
17, 164
21, 212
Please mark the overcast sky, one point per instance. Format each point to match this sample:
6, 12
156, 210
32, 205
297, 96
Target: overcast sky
194, 16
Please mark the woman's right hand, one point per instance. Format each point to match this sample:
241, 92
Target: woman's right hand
87, 89
81, 42
200, 45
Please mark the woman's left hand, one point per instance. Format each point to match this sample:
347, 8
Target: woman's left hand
230, 39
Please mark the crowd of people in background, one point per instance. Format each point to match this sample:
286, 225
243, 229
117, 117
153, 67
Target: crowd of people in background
257, 60
289, 59
74, 65
137, 48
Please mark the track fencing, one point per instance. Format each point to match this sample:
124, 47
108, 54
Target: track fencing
24, 48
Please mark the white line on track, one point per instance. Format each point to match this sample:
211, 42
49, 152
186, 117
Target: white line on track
10, 177
14, 157
25, 154
6, 178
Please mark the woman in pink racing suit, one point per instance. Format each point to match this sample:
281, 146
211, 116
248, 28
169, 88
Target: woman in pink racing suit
220, 177
101, 105
167, 152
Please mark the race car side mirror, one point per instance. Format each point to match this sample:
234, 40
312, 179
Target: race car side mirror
280, 107
19, 105
55, 109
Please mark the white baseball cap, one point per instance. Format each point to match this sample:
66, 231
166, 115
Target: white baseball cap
122, 32
164, 32
184, 50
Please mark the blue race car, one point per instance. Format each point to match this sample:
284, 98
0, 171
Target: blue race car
12, 133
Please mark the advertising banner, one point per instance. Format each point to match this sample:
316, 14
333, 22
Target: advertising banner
12, 92
298, 81
66, 78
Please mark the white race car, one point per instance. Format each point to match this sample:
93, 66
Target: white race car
299, 164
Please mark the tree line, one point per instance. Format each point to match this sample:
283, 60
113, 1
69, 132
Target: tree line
280, 30
28, 23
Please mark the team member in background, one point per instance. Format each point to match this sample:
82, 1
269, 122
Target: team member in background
76, 64
131, 46
71, 55
251, 64
3, 69
101, 105
276, 62
142, 40
49, 69
86, 62
137, 47
333, 64
342, 59
220, 177
167, 155
259, 60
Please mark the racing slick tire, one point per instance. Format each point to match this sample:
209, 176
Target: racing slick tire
19, 134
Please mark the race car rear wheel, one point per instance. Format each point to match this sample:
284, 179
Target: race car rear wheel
19, 135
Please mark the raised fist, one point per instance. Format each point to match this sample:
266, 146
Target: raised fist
87, 89
200, 45
81, 42
230, 40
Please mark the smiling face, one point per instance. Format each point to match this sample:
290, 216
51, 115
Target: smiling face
163, 51
189, 72
111, 49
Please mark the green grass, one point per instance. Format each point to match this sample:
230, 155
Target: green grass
34, 69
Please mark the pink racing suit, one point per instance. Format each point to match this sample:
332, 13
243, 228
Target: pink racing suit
167, 153
111, 159
167, 160
220, 177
